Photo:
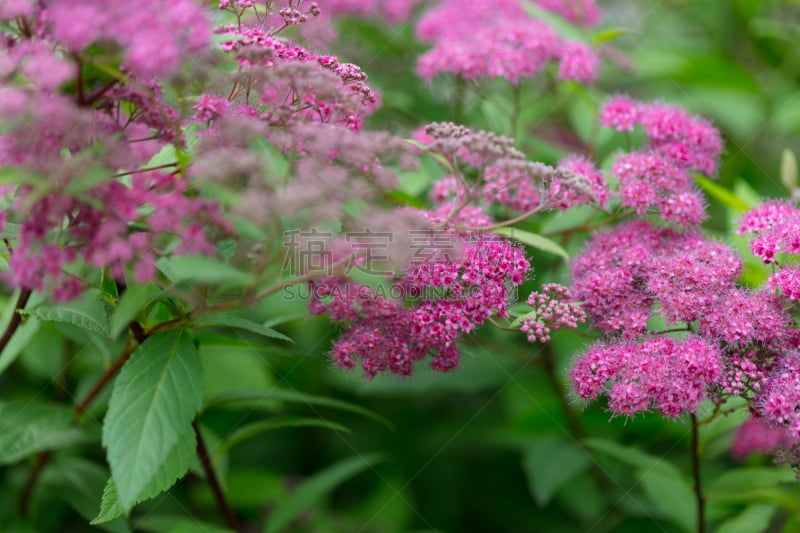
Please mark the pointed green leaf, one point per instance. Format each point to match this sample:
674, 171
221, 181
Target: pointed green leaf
155, 398
609, 35
230, 321
671, 495
534, 240
311, 491
175, 466
267, 399
249, 431
721, 194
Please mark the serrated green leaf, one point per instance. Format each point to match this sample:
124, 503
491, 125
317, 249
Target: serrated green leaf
87, 313
249, 431
202, 269
133, 300
265, 399
174, 467
315, 488
534, 240
550, 464
235, 322
154, 400
722, 194
27, 428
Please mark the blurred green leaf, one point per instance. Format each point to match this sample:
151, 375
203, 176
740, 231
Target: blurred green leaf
132, 301
671, 495
235, 322
28, 427
736, 482
315, 488
249, 431
265, 400
534, 240
550, 464
755, 518
203, 269
789, 170
721, 194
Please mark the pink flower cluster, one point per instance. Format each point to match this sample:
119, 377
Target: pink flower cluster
778, 401
294, 85
155, 37
659, 175
756, 436
553, 308
447, 298
393, 11
621, 273
504, 176
657, 373
775, 239
99, 231
480, 40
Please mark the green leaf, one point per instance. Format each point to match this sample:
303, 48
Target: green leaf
789, 170
534, 240
177, 524
632, 456
81, 482
18, 342
202, 269
560, 24
754, 518
671, 495
550, 464
249, 431
609, 35
155, 398
135, 298
722, 194
93, 176
174, 467
235, 322
311, 491
17, 176
88, 313
265, 399
27, 428
734, 483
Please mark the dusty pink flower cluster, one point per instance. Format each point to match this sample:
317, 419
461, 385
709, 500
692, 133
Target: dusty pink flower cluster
500, 39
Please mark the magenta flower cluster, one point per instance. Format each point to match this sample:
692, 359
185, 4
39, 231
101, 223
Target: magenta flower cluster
500, 39
659, 176
774, 230
553, 308
629, 274
447, 298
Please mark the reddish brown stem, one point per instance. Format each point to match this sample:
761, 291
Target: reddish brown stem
27, 490
16, 318
213, 481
